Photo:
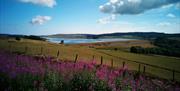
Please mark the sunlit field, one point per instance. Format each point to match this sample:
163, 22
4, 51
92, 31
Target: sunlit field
89, 45
69, 52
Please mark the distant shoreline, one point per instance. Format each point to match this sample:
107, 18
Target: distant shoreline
84, 40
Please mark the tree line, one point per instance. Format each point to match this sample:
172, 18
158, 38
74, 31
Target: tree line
164, 46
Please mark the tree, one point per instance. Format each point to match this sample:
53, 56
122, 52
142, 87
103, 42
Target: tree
18, 38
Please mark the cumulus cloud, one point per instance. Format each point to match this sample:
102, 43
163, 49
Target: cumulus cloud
48, 3
134, 6
39, 20
171, 15
107, 20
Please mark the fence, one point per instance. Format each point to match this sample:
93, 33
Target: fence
146, 65
140, 64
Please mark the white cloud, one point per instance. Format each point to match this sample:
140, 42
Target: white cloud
48, 3
113, 1
164, 24
168, 6
39, 20
134, 6
171, 15
107, 20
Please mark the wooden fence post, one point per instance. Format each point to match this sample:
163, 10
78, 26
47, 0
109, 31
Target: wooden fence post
144, 70
139, 68
124, 72
173, 75
58, 54
101, 60
112, 63
75, 60
123, 64
93, 58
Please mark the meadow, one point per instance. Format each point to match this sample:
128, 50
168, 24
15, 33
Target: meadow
28, 73
98, 52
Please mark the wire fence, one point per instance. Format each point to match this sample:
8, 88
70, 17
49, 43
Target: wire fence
173, 74
145, 65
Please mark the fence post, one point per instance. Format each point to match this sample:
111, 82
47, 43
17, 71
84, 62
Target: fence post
101, 60
173, 75
58, 54
144, 70
124, 72
139, 68
93, 58
76, 58
112, 63
123, 64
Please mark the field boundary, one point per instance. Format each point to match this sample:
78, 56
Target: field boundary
76, 57
154, 66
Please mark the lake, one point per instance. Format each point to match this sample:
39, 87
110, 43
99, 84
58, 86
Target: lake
78, 41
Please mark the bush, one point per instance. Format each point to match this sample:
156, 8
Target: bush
34, 37
18, 38
156, 50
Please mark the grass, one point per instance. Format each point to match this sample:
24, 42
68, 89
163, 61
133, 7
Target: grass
123, 45
162, 61
68, 52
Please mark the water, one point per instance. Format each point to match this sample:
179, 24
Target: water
78, 41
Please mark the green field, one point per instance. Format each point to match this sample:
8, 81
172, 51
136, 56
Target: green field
85, 53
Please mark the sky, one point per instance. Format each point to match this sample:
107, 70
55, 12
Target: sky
45, 17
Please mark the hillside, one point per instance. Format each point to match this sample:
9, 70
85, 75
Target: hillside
140, 35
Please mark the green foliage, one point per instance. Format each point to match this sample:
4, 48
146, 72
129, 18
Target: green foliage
53, 82
23, 82
87, 81
34, 37
166, 47
118, 82
18, 38
101, 85
80, 83
165, 42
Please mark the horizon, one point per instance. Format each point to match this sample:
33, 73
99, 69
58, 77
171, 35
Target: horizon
88, 16
84, 33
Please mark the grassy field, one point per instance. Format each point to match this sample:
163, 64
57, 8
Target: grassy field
123, 45
86, 51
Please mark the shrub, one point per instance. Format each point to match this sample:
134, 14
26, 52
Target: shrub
18, 38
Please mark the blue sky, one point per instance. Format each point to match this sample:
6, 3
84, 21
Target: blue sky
41, 17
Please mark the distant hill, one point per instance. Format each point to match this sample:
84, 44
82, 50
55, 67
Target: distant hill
140, 35
33, 37
137, 35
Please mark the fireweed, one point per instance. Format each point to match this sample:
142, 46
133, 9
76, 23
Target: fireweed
27, 73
